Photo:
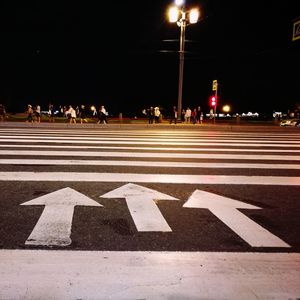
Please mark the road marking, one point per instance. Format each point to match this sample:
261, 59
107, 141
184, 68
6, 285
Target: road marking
134, 139
54, 225
159, 133
226, 210
151, 154
143, 209
150, 148
208, 143
131, 163
50, 274
149, 178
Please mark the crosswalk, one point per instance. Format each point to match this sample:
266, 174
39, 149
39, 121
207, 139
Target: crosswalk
237, 177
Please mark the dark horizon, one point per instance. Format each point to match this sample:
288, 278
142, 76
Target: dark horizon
73, 54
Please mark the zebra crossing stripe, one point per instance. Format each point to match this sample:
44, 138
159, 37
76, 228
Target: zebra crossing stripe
29, 274
162, 142
149, 178
148, 139
151, 154
130, 163
160, 133
150, 148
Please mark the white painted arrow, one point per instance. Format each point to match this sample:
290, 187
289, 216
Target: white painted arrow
54, 225
226, 210
140, 202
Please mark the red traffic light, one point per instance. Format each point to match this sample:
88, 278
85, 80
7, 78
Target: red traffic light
213, 101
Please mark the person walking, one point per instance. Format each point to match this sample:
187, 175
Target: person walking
2, 113
156, 114
72, 113
82, 113
37, 112
194, 116
201, 117
51, 113
198, 114
102, 117
182, 117
29, 113
150, 113
187, 116
173, 115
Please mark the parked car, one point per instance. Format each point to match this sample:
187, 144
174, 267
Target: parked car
290, 122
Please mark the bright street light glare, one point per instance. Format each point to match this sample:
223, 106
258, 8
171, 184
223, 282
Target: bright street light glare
179, 2
226, 108
194, 15
173, 14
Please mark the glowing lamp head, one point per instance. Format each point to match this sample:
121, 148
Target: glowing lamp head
226, 108
173, 14
179, 2
194, 15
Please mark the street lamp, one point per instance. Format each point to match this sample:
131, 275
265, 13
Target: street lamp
226, 108
178, 14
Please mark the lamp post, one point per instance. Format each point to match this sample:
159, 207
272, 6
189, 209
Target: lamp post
178, 14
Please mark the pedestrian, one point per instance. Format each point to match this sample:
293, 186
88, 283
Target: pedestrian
187, 116
156, 114
102, 117
29, 113
72, 114
82, 113
94, 111
150, 113
37, 113
201, 117
194, 116
173, 115
182, 115
198, 114
51, 113
2, 113
77, 110
61, 111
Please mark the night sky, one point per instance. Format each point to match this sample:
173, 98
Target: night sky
124, 54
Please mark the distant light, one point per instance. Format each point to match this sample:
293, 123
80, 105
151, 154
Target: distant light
179, 2
93, 108
226, 108
173, 14
194, 15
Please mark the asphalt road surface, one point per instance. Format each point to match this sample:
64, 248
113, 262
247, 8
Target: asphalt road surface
150, 213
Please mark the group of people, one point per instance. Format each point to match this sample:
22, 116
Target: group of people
187, 115
194, 116
33, 113
153, 114
71, 114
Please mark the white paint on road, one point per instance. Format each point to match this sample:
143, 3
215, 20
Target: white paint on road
150, 178
54, 225
159, 133
146, 139
185, 149
151, 155
138, 163
225, 209
143, 209
162, 142
102, 275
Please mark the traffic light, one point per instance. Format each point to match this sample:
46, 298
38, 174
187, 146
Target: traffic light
213, 101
